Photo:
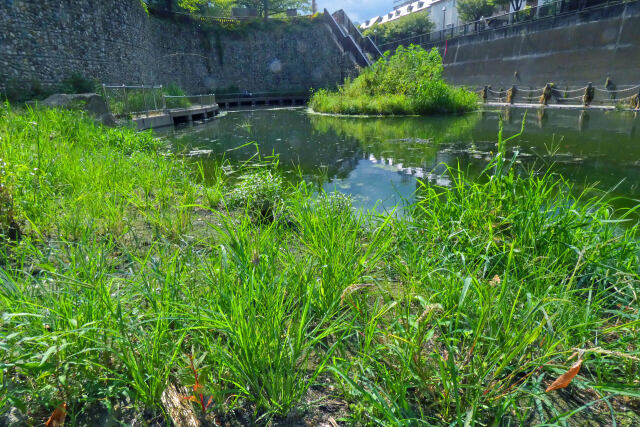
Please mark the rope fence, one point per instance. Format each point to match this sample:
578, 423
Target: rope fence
627, 96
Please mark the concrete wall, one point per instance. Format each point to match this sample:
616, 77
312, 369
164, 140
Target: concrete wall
115, 41
567, 50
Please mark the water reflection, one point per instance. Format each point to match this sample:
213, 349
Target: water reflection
381, 159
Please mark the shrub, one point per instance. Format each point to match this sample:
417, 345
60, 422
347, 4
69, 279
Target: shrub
175, 90
408, 82
77, 83
261, 192
410, 26
21, 90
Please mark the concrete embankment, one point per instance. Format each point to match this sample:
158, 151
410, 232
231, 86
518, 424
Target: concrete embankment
570, 49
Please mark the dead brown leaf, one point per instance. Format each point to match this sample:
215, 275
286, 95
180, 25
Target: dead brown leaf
565, 379
57, 417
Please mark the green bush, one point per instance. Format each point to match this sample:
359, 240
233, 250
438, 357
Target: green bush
21, 90
175, 90
139, 100
408, 82
77, 83
261, 192
410, 26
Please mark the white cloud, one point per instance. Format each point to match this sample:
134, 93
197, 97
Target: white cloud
358, 10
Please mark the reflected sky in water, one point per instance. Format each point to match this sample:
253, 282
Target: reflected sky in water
379, 160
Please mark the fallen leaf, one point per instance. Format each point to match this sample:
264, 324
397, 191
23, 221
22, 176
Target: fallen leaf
57, 417
495, 281
565, 379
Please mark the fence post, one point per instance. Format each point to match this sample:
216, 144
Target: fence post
589, 94
126, 101
636, 101
155, 103
146, 107
511, 94
104, 92
546, 94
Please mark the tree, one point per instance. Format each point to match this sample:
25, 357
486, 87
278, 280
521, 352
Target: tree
408, 26
274, 7
473, 10
206, 7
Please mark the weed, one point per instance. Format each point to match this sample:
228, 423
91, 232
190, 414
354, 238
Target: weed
464, 310
407, 82
77, 83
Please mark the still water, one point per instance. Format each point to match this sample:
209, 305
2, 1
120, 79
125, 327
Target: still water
378, 161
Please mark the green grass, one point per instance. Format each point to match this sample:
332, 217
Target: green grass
409, 82
135, 100
463, 310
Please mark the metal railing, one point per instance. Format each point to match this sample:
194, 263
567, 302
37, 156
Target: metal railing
347, 41
133, 99
128, 100
365, 43
173, 102
528, 14
252, 95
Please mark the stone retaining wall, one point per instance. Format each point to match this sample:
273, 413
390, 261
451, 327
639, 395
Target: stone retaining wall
116, 41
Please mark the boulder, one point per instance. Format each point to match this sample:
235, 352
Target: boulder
92, 103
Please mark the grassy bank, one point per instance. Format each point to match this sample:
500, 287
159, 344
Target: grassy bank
407, 82
132, 273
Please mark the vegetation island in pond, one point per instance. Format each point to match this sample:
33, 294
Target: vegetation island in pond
407, 82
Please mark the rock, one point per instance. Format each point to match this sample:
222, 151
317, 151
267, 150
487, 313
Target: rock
13, 418
92, 103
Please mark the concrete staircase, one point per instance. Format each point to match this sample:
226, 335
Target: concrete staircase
363, 49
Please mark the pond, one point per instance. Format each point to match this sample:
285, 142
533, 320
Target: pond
379, 160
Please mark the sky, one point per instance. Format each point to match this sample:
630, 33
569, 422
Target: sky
358, 10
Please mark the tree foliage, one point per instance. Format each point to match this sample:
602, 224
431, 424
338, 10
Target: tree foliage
275, 7
473, 10
201, 7
409, 26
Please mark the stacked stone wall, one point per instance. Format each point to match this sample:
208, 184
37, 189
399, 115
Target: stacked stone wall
116, 41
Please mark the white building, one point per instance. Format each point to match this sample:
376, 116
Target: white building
443, 13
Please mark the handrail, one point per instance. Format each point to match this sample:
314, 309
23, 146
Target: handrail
347, 41
262, 94
188, 96
120, 86
509, 19
366, 44
210, 100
